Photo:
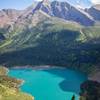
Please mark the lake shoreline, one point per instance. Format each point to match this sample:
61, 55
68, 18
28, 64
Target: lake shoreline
46, 67
42, 67
47, 79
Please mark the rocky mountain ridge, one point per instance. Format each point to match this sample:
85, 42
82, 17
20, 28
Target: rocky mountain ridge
57, 9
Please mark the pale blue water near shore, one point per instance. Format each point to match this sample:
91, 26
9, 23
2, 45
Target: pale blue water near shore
50, 84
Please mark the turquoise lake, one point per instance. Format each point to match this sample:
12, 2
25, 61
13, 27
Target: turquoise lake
50, 84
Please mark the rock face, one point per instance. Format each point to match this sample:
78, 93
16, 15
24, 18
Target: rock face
95, 77
90, 90
8, 16
65, 11
95, 12
3, 18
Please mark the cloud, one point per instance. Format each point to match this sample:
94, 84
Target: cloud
37, 0
95, 1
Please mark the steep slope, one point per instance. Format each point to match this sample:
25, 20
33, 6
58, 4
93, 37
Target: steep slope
11, 94
42, 35
8, 16
54, 42
29, 35
95, 12
90, 90
65, 11
3, 19
54, 9
9, 87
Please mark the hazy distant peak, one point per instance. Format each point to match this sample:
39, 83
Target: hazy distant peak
97, 6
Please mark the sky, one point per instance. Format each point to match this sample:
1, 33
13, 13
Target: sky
22, 4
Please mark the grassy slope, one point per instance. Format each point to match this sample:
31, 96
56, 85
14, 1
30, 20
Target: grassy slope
54, 43
9, 87
30, 37
11, 94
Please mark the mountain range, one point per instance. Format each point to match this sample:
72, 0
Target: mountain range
51, 33
57, 9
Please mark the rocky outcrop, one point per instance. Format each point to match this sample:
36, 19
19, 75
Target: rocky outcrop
95, 76
94, 12
90, 90
65, 11
8, 16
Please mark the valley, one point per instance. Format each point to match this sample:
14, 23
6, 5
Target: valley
52, 34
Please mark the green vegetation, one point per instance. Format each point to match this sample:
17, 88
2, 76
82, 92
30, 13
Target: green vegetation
9, 87
92, 32
53, 42
5, 43
73, 97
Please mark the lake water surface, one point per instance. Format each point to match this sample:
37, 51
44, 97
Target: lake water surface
50, 84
